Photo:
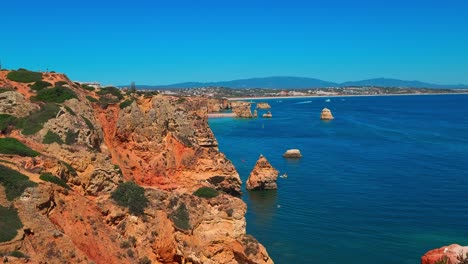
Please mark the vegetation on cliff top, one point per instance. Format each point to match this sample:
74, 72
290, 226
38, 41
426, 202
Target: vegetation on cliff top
15, 147
40, 85
54, 95
48, 177
180, 217
24, 76
14, 182
132, 196
6, 121
206, 192
126, 103
9, 223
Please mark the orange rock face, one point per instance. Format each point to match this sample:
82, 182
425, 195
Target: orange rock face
449, 252
163, 144
263, 176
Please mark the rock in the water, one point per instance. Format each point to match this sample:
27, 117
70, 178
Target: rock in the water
263, 176
255, 113
267, 115
449, 252
263, 105
326, 114
241, 109
292, 153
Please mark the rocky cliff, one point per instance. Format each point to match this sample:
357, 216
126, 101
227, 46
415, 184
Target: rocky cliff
67, 148
452, 254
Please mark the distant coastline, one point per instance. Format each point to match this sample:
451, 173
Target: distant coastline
335, 95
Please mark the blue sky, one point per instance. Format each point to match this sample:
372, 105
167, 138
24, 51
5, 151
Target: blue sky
161, 42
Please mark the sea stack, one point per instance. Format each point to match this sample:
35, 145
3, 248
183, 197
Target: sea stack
292, 154
263, 176
263, 105
326, 114
267, 115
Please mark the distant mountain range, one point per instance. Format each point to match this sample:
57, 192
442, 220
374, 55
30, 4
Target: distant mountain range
287, 82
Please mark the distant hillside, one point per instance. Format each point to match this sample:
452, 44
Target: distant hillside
287, 82
385, 82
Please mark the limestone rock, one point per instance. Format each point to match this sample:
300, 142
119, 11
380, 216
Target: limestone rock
450, 252
267, 115
242, 109
263, 176
14, 103
326, 114
292, 153
263, 105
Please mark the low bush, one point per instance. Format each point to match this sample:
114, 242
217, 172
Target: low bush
126, 103
54, 95
14, 182
50, 137
132, 196
88, 123
144, 260
18, 254
60, 83
10, 223
180, 217
70, 169
24, 76
2, 90
92, 99
40, 85
111, 90
15, 147
206, 192
48, 177
71, 137
35, 122
69, 110
106, 100
6, 121
87, 87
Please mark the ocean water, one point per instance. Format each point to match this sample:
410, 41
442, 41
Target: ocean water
384, 182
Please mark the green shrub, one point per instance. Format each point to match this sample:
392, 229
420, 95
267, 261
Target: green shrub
54, 95
87, 87
35, 122
24, 76
40, 85
2, 90
14, 182
48, 177
60, 83
10, 223
125, 244
71, 137
92, 99
111, 90
181, 100
206, 192
88, 123
144, 260
15, 147
132, 196
18, 254
126, 103
106, 100
6, 121
70, 169
50, 137
180, 217
70, 110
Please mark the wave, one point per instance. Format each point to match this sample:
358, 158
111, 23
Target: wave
304, 102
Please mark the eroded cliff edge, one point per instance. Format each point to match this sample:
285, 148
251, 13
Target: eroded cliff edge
93, 140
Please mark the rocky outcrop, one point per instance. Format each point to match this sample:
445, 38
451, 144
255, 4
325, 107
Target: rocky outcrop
242, 109
267, 115
263, 105
263, 176
326, 114
450, 253
292, 154
14, 103
164, 144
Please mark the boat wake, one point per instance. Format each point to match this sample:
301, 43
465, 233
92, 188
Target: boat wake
305, 102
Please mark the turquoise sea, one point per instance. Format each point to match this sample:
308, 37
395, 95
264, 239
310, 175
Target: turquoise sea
383, 183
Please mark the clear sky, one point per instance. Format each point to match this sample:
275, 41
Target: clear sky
168, 41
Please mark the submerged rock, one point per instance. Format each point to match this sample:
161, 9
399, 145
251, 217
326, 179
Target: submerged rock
293, 154
263, 176
326, 114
